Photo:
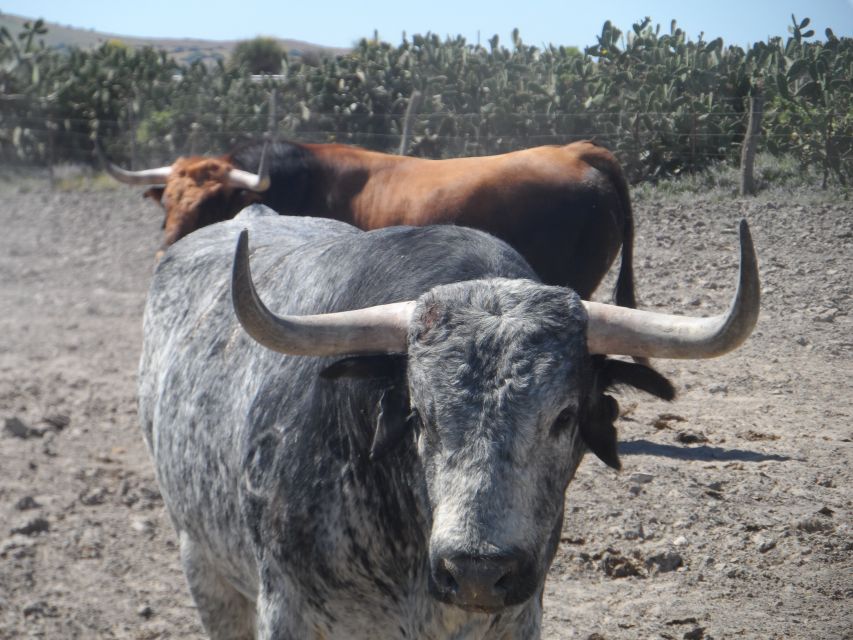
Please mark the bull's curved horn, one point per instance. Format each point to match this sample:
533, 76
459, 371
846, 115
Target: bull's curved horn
147, 176
631, 332
380, 329
259, 181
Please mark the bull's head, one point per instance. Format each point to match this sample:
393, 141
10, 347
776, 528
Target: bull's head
505, 390
196, 191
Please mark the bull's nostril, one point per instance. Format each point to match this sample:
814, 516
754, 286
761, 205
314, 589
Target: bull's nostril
444, 578
504, 583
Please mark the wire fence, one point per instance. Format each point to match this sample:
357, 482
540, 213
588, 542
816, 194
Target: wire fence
649, 143
78, 133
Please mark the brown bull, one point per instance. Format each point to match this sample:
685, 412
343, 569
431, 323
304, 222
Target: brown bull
564, 208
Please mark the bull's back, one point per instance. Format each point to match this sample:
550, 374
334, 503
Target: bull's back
562, 207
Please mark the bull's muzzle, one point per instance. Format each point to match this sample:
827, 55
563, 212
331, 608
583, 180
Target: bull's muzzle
483, 583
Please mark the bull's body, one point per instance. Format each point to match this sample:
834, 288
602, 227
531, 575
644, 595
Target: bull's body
565, 208
414, 491
264, 466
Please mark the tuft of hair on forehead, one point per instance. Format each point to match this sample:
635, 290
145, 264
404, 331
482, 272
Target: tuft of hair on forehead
525, 302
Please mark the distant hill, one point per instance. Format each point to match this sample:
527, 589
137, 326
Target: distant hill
183, 50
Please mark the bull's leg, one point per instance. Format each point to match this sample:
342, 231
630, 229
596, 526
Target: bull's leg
281, 617
225, 613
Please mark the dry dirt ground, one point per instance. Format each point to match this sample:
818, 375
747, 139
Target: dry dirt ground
731, 518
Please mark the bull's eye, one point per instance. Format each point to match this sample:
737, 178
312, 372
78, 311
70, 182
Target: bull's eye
567, 415
565, 419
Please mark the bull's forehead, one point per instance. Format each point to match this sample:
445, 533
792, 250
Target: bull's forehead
495, 346
201, 168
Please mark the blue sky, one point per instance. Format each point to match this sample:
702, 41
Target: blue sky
336, 23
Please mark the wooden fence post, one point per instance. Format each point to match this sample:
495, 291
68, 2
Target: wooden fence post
195, 128
750, 142
411, 112
131, 122
272, 123
51, 151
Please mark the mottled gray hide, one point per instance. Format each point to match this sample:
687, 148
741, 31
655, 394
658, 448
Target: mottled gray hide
288, 528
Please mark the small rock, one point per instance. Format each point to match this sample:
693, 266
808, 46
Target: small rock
88, 543
145, 612
17, 546
26, 503
764, 544
826, 511
94, 496
814, 524
16, 428
691, 437
31, 527
664, 562
641, 478
616, 565
680, 541
802, 341
40, 609
756, 436
737, 573
827, 316
718, 388
665, 420
58, 421
634, 533
142, 525
679, 621
47, 446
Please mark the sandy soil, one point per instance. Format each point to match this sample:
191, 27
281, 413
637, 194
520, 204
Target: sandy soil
731, 519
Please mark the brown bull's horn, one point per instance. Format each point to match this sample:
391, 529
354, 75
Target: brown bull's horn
631, 332
147, 176
259, 181
381, 329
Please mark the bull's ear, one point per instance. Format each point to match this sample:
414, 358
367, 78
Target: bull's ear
599, 434
155, 193
597, 429
392, 422
639, 376
381, 366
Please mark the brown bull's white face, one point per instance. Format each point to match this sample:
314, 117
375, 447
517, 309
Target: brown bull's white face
497, 383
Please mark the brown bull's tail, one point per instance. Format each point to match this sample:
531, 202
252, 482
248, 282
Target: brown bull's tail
623, 292
605, 162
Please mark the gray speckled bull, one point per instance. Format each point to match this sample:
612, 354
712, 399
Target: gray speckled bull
415, 487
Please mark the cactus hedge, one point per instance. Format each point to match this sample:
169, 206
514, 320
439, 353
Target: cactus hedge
664, 103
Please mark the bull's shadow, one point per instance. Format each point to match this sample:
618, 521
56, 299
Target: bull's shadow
703, 452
